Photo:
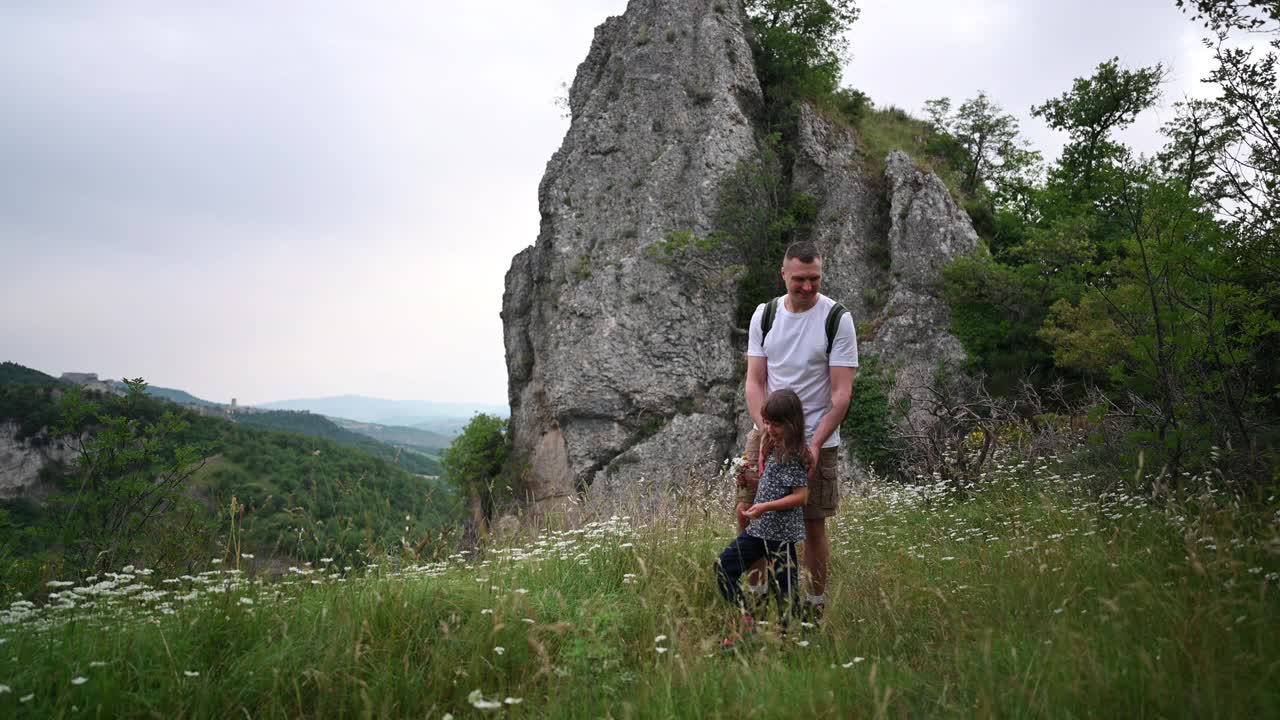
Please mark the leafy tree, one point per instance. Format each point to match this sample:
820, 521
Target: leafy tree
1064, 232
1090, 113
128, 476
474, 465
1228, 148
984, 143
800, 45
1174, 327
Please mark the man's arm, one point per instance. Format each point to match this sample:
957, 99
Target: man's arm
757, 387
841, 392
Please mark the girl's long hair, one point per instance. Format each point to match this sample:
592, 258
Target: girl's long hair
783, 408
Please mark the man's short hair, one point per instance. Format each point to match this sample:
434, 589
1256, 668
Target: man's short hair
804, 251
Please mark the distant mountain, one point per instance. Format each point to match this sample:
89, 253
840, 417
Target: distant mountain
386, 412
12, 373
397, 435
451, 427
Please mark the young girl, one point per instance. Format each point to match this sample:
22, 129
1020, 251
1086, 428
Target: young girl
777, 517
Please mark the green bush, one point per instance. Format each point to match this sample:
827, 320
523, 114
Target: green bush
869, 425
475, 464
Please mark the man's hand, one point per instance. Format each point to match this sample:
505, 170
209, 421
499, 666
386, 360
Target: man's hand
815, 452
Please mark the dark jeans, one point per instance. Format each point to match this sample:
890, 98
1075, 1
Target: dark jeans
743, 552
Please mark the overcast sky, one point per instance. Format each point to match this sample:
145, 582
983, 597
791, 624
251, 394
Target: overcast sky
269, 200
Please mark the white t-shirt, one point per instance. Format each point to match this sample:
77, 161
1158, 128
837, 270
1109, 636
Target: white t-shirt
796, 351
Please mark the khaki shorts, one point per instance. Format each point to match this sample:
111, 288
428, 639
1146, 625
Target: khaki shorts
824, 490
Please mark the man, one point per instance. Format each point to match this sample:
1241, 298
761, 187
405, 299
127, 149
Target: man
794, 355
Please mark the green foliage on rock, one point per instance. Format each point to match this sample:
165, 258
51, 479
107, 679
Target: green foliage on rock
869, 427
800, 45
758, 216
474, 465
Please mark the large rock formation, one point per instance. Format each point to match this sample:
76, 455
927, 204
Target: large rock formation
622, 368
21, 461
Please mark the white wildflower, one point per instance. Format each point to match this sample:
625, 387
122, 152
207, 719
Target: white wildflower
246, 601
191, 673
659, 639
476, 698
513, 700
4, 689
499, 649
79, 680
27, 698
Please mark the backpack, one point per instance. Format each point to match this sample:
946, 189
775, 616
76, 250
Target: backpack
833, 321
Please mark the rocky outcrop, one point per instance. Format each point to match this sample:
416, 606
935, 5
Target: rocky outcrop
21, 462
603, 344
926, 230
622, 369
883, 242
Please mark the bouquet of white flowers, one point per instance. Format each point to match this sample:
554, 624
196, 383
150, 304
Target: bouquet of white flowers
733, 468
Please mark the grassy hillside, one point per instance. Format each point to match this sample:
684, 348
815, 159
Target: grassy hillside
302, 497
305, 423
886, 129
1025, 599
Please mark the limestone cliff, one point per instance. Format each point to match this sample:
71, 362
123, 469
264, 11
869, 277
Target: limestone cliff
21, 462
622, 368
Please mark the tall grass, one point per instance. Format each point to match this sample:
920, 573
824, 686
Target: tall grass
1022, 598
884, 130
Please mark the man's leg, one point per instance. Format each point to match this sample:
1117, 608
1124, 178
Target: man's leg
817, 553
824, 499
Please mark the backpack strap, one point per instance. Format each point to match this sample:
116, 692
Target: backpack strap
833, 321
833, 324
766, 319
